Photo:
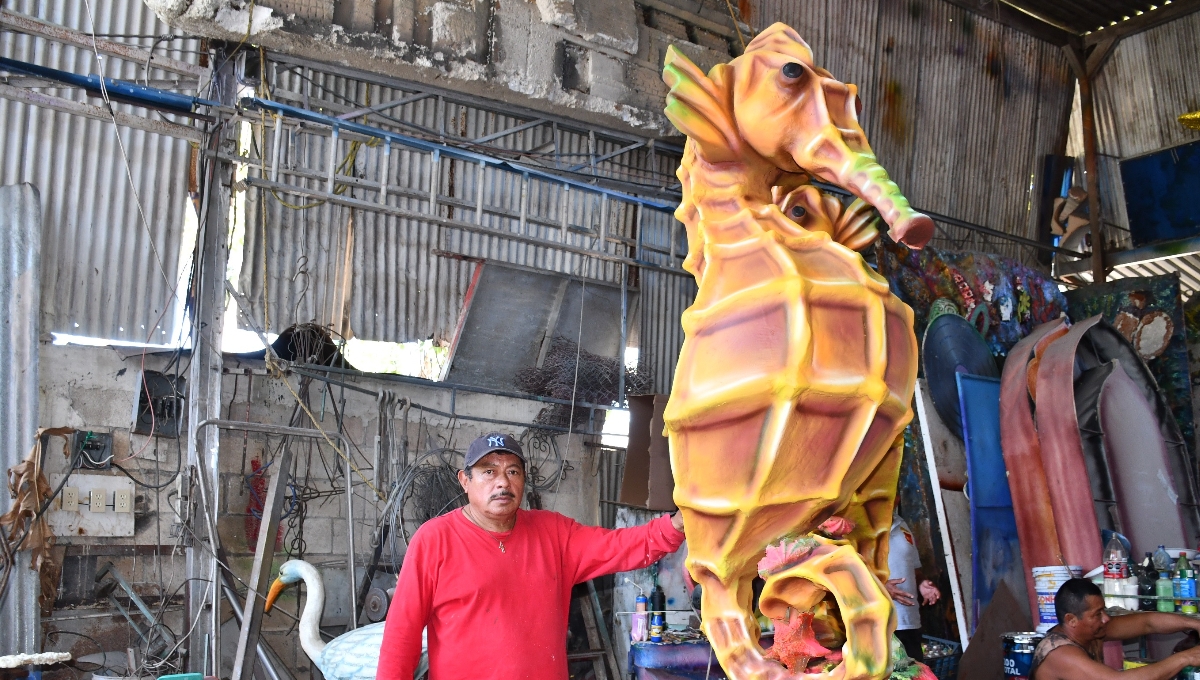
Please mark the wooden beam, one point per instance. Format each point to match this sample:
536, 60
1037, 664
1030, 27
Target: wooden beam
34, 26
1010, 16
1144, 22
1099, 54
46, 101
1079, 64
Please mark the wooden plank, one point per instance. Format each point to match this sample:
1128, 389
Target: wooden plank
608, 645
44, 29
46, 101
589, 623
1021, 20
256, 582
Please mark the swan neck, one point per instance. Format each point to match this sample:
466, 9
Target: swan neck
310, 616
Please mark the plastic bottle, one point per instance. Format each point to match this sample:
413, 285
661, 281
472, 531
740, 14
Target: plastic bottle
1187, 588
1164, 590
639, 631
658, 617
1181, 565
1116, 570
1146, 577
1161, 560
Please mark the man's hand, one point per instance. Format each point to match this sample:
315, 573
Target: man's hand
1190, 656
677, 520
929, 592
899, 596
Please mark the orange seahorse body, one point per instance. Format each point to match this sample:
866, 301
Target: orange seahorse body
796, 375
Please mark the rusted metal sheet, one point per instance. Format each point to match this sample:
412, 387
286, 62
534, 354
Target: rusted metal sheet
1023, 458
1062, 451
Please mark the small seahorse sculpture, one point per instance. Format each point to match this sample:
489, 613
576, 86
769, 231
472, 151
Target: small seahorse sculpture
796, 375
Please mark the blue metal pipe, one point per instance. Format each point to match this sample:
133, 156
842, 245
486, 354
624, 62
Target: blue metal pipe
119, 90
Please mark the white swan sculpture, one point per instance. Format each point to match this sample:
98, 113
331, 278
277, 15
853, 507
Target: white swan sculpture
353, 656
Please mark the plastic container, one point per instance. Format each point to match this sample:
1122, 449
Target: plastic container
1116, 570
1018, 654
1164, 590
1160, 558
640, 630
1187, 588
944, 666
1046, 582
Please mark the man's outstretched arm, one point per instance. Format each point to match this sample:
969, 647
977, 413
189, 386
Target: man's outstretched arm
595, 551
1071, 663
1128, 626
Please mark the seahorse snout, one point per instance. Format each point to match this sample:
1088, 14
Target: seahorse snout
913, 231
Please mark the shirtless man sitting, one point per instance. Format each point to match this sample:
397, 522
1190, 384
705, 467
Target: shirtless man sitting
1072, 650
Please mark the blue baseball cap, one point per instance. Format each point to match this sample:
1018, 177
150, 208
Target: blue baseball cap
491, 443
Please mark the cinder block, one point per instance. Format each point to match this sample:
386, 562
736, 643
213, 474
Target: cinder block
319, 11
318, 536
612, 23
559, 13
607, 77
454, 29
356, 16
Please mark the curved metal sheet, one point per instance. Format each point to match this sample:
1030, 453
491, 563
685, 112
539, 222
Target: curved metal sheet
1023, 456
1139, 460
1088, 388
1062, 451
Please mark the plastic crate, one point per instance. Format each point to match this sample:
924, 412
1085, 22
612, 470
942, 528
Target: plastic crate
945, 667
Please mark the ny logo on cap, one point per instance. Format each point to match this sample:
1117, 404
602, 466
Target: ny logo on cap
497, 440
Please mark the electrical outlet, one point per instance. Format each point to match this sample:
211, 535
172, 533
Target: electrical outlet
70, 499
123, 501
98, 500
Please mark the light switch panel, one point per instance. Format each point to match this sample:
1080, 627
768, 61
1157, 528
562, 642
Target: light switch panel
98, 500
123, 501
70, 499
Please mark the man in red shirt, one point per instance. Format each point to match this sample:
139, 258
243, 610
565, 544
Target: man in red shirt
493, 582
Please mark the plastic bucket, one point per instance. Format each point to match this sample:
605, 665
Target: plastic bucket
1046, 582
1018, 654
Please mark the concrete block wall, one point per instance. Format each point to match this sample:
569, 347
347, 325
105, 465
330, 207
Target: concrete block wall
599, 60
96, 388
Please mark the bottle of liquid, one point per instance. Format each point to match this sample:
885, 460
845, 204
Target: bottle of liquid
1164, 590
640, 630
1146, 578
1181, 565
1116, 570
658, 617
1161, 560
1187, 588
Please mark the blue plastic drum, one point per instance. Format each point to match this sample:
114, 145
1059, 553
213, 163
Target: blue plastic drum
1018, 654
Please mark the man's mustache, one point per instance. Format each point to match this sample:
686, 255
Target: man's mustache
502, 494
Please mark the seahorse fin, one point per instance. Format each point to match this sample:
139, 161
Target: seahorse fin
694, 106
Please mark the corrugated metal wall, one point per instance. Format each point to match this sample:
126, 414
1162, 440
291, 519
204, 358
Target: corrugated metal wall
100, 276
959, 109
405, 286
1150, 79
20, 247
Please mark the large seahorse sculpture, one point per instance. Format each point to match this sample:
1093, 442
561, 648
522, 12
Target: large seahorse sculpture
796, 374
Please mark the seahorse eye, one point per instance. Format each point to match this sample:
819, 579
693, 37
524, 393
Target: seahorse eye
792, 70
798, 211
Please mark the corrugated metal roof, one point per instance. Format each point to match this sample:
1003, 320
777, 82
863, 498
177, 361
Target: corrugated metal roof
959, 109
101, 277
20, 250
1084, 16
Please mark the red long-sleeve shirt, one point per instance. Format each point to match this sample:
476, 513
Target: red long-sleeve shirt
502, 614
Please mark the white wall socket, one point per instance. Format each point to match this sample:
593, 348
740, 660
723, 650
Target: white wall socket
70, 499
98, 500
123, 501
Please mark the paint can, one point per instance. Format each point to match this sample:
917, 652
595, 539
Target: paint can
1018, 654
1046, 582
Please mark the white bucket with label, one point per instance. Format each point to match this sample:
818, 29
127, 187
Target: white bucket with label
1047, 581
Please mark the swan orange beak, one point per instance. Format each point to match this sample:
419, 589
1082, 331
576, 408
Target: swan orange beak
276, 589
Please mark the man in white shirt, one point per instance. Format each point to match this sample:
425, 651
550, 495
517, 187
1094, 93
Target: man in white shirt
904, 563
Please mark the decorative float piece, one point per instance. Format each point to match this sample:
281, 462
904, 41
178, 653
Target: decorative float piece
796, 375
